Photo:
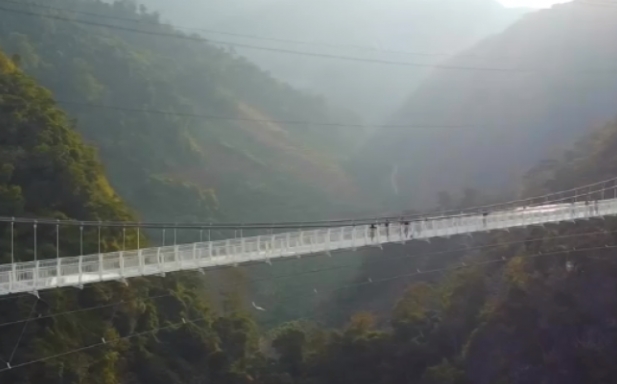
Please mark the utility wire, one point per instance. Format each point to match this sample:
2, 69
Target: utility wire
104, 342
549, 198
87, 309
266, 38
450, 251
232, 34
232, 118
45, 292
371, 282
338, 267
289, 51
23, 330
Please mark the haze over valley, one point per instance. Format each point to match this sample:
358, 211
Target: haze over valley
418, 32
301, 192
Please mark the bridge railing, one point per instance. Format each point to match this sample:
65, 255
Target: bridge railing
76, 271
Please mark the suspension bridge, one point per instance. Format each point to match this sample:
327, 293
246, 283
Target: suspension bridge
592, 201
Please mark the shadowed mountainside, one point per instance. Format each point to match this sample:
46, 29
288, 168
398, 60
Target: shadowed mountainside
539, 86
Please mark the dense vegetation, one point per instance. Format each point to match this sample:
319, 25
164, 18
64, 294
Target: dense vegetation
532, 305
47, 171
533, 309
535, 306
183, 127
204, 106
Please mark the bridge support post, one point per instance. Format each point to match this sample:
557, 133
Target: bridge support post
267, 247
242, 246
58, 272
195, 258
35, 277
328, 235
80, 270
229, 253
13, 277
100, 266
177, 257
142, 262
288, 243
121, 260
258, 241
158, 261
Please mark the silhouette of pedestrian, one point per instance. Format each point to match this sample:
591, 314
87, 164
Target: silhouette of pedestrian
406, 228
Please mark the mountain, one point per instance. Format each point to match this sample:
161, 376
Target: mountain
186, 130
392, 30
48, 171
532, 305
533, 90
151, 330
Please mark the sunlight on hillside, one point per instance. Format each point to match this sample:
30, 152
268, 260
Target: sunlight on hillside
308, 192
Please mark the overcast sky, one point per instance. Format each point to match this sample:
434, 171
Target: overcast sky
531, 3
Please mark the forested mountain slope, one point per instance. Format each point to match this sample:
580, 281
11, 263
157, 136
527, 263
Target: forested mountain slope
182, 127
390, 30
535, 305
539, 86
47, 170
185, 130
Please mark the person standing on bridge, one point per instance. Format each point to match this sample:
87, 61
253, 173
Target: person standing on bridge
387, 225
372, 232
406, 230
484, 218
588, 208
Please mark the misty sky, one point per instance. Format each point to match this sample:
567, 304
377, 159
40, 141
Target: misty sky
531, 3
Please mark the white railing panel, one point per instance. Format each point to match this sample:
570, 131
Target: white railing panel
70, 271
